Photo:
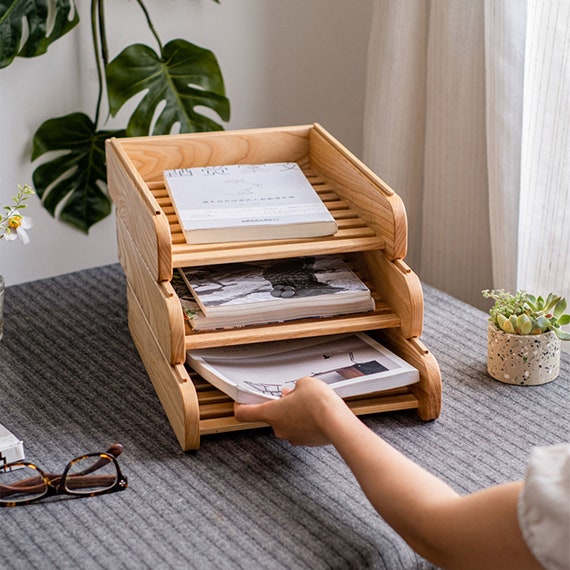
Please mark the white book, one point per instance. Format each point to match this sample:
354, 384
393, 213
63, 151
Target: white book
238, 294
352, 364
242, 202
11, 448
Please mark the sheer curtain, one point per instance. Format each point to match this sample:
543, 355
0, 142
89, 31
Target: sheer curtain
467, 117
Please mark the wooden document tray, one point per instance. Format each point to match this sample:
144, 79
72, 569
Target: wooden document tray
372, 235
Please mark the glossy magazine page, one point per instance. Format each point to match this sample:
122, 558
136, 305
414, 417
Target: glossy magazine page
352, 364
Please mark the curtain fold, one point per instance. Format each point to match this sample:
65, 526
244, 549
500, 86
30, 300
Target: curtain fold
544, 227
394, 131
467, 118
505, 29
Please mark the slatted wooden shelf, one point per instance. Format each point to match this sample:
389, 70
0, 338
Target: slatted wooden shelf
354, 233
382, 317
214, 404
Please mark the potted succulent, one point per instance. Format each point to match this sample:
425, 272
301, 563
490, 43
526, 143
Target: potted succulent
524, 336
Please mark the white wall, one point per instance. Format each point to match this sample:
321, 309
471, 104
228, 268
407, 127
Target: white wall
284, 63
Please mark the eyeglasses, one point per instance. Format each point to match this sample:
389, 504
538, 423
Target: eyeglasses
93, 474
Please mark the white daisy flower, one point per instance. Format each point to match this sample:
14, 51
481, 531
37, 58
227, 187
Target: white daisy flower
12, 224
16, 226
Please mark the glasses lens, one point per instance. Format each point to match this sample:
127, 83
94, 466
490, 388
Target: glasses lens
91, 475
21, 483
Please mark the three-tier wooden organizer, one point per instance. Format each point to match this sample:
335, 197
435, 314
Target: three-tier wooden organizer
372, 236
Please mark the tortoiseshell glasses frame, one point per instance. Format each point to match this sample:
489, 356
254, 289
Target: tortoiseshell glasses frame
22, 483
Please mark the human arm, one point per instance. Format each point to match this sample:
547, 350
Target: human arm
475, 531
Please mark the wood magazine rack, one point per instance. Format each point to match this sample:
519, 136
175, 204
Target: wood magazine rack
372, 236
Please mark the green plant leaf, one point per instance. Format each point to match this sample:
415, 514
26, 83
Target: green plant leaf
559, 308
72, 185
542, 323
505, 324
532, 301
45, 21
184, 77
562, 335
550, 302
524, 325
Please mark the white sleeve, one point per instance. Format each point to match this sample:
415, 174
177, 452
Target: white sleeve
544, 506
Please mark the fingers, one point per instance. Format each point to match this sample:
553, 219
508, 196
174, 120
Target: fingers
243, 412
256, 412
249, 412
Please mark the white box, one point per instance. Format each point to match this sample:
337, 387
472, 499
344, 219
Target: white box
11, 448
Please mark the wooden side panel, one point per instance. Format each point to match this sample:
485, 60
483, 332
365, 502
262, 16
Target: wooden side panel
354, 182
398, 286
174, 388
290, 144
158, 301
428, 390
139, 212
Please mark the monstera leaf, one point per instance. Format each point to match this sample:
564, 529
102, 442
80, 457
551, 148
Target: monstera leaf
72, 185
35, 16
182, 78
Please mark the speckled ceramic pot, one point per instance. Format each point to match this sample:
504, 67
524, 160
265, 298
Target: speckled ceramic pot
526, 360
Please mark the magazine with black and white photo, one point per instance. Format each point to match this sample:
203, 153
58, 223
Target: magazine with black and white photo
352, 364
238, 294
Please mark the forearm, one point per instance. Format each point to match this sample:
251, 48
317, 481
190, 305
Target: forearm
475, 531
404, 494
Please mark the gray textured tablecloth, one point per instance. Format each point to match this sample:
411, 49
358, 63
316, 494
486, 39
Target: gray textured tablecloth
71, 382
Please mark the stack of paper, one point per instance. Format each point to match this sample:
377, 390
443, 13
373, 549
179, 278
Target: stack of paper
352, 365
259, 292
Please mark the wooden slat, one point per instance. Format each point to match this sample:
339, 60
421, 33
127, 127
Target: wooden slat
211, 423
251, 251
217, 410
386, 404
208, 397
210, 426
291, 329
354, 230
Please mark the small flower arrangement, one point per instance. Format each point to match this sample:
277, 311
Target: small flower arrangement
12, 223
524, 314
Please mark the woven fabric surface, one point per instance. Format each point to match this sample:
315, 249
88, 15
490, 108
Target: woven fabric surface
72, 382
